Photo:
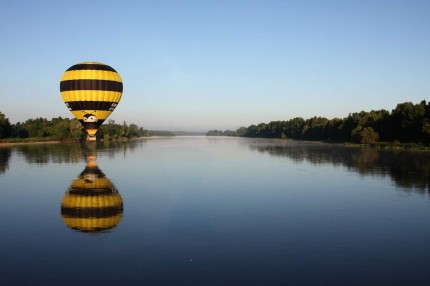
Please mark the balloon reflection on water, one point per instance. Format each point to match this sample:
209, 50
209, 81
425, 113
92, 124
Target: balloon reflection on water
92, 203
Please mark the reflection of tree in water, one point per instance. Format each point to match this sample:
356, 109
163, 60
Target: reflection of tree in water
42, 154
4, 159
406, 169
111, 148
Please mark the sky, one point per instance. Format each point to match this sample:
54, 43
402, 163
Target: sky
201, 65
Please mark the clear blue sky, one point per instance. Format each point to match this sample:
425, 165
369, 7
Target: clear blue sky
199, 65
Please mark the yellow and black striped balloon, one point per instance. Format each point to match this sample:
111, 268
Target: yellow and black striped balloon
92, 203
91, 91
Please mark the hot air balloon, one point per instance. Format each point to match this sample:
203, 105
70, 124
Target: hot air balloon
91, 91
92, 203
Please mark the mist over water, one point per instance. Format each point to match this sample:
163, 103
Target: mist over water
213, 211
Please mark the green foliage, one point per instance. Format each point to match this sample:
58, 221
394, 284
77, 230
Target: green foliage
410, 121
65, 129
5, 127
224, 133
160, 133
115, 131
54, 129
364, 135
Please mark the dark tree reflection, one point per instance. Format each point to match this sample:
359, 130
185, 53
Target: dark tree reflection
41, 154
4, 159
410, 170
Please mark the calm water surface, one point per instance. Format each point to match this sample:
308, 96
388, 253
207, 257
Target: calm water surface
213, 211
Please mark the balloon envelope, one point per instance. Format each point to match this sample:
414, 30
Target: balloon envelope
91, 91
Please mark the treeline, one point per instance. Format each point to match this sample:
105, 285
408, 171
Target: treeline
115, 131
407, 123
160, 133
65, 129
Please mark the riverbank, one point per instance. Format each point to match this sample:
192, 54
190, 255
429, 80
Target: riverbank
379, 145
30, 141
12, 142
390, 146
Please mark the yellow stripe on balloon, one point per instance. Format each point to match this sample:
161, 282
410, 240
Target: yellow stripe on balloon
91, 95
87, 224
91, 74
102, 201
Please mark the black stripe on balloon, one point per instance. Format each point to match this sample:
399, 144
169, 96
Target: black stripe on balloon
93, 230
91, 192
91, 105
83, 212
91, 125
93, 170
90, 84
97, 67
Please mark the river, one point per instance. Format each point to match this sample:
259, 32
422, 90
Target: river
213, 211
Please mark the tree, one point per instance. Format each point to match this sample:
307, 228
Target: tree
314, 128
241, 131
408, 121
5, 128
364, 135
294, 128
